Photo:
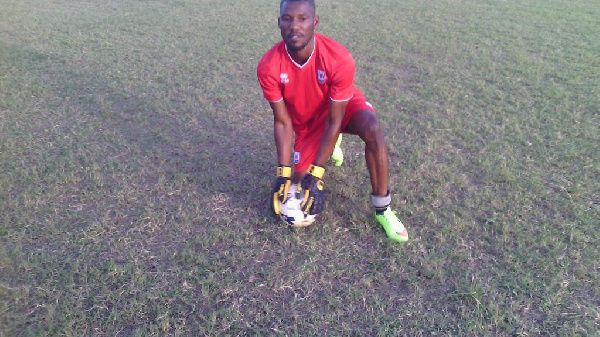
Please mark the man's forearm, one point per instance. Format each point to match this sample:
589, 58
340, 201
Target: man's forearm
330, 135
283, 142
332, 130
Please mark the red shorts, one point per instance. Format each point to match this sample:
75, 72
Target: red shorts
306, 144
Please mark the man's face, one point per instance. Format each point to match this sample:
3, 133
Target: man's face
297, 22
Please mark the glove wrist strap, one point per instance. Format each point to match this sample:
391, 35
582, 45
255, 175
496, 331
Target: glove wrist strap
284, 171
317, 171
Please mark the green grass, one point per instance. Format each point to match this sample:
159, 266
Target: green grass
136, 157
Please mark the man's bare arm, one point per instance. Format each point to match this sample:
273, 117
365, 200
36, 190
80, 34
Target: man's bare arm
283, 131
333, 127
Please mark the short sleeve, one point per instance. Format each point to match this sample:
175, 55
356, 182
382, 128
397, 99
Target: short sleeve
342, 79
268, 82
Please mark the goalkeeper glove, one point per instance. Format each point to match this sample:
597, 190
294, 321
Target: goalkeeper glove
311, 190
281, 185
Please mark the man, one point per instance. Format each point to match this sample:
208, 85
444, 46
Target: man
308, 80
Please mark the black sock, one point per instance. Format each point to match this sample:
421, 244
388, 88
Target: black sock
380, 210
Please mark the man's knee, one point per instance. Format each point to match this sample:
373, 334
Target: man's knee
372, 131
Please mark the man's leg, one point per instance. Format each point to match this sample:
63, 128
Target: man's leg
366, 125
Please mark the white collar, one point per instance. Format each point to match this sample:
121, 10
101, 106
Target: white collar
307, 61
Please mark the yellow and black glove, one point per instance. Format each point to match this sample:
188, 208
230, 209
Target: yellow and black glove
311, 190
281, 186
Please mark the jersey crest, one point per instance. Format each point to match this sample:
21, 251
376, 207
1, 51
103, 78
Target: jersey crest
284, 78
321, 76
296, 157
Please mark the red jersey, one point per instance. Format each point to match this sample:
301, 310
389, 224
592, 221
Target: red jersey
307, 89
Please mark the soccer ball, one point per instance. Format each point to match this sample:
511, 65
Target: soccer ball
292, 214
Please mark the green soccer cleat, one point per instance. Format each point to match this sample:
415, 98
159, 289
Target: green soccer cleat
337, 157
394, 228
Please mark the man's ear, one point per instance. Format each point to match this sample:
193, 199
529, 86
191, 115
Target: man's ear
279, 22
316, 25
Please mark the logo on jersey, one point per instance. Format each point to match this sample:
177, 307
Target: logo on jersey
284, 78
296, 157
321, 76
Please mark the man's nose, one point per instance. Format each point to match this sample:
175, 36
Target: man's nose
294, 24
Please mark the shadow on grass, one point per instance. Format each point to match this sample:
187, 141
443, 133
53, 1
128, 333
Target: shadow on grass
215, 149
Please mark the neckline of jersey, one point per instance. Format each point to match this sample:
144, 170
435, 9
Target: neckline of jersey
309, 58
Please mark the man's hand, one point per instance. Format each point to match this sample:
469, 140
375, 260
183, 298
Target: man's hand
281, 186
311, 190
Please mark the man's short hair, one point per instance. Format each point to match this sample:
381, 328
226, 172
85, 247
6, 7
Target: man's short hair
310, 2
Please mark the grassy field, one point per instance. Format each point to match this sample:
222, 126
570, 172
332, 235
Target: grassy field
136, 156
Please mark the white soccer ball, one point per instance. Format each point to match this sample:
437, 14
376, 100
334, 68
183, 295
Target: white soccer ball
292, 214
